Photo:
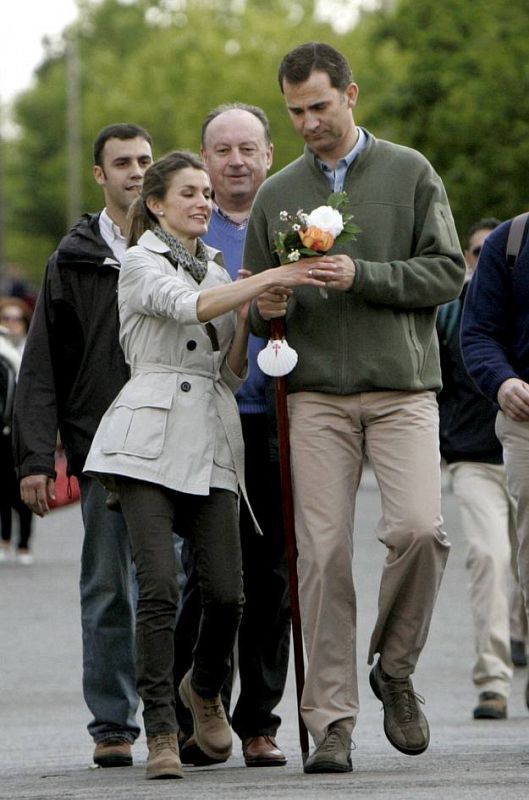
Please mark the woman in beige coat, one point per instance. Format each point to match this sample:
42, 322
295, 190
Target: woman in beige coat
172, 443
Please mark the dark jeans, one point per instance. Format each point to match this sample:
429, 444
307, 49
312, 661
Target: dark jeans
107, 619
10, 498
210, 522
264, 634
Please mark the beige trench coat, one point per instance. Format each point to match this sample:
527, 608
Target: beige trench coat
175, 422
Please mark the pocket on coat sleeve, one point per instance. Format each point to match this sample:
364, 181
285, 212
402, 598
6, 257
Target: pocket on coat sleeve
137, 423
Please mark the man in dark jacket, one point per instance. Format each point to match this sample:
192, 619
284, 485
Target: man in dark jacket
495, 347
475, 462
72, 369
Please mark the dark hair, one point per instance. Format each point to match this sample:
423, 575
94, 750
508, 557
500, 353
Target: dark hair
22, 306
298, 64
255, 110
155, 184
484, 224
120, 130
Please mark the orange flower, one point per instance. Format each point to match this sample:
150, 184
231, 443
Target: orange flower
316, 239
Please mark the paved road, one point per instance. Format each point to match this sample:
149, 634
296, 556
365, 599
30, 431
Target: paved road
45, 752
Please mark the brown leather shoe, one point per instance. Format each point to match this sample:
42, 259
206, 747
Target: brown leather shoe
262, 751
113, 753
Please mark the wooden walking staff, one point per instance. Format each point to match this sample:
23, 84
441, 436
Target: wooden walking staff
274, 363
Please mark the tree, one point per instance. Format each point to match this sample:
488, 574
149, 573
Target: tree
161, 64
452, 80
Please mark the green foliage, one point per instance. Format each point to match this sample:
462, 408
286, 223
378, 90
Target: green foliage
163, 65
450, 79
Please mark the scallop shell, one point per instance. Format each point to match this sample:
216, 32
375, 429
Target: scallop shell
277, 358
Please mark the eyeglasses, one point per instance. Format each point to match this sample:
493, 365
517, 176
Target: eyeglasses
476, 250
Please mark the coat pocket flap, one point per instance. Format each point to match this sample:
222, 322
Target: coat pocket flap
143, 397
137, 422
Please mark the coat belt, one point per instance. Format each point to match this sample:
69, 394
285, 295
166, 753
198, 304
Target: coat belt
228, 414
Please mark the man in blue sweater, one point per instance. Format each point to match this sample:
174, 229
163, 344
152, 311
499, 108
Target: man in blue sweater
238, 151
495, 346
474, 459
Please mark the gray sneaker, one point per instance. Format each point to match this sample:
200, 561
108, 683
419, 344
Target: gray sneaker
333, 754
211, 728
405, 725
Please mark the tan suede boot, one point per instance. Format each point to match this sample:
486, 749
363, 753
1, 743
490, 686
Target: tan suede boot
164, 759
211, 728
113, 753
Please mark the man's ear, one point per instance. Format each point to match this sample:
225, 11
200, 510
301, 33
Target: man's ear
269, 155
99, 174
352, 94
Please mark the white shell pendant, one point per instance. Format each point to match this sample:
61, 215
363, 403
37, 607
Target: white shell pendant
277, 358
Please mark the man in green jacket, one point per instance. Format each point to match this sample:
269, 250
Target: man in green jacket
365, 383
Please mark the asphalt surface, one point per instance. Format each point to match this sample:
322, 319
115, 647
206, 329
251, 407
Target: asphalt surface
45, 751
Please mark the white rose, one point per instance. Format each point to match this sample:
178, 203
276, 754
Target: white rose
326, 218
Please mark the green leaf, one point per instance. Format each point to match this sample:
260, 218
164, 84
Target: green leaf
338, 200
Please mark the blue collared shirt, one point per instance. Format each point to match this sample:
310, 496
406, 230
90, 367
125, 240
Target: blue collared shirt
336, 177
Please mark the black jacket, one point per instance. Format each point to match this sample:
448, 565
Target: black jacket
73, 365
467, 418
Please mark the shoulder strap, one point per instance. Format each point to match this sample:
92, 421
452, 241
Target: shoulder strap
448, 317
515, 238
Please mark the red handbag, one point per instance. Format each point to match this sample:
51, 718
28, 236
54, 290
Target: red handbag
66, 486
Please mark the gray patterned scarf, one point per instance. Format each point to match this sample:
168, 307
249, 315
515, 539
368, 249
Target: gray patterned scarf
196, 265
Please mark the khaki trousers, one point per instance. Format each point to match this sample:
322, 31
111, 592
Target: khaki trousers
329, 436
487, 513
514, 437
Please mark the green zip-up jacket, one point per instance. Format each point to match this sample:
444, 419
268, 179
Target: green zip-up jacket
380, 335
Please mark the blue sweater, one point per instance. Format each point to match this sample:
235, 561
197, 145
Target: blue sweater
495, 326
466, 418
229, 237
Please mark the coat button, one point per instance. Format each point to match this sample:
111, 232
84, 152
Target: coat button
191, 344
185, 386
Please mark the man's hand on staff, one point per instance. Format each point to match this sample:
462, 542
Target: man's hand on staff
273, 303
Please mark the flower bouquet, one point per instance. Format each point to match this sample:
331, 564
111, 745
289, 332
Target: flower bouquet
315, 233
305, 235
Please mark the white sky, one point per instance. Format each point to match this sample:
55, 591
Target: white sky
26, 22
